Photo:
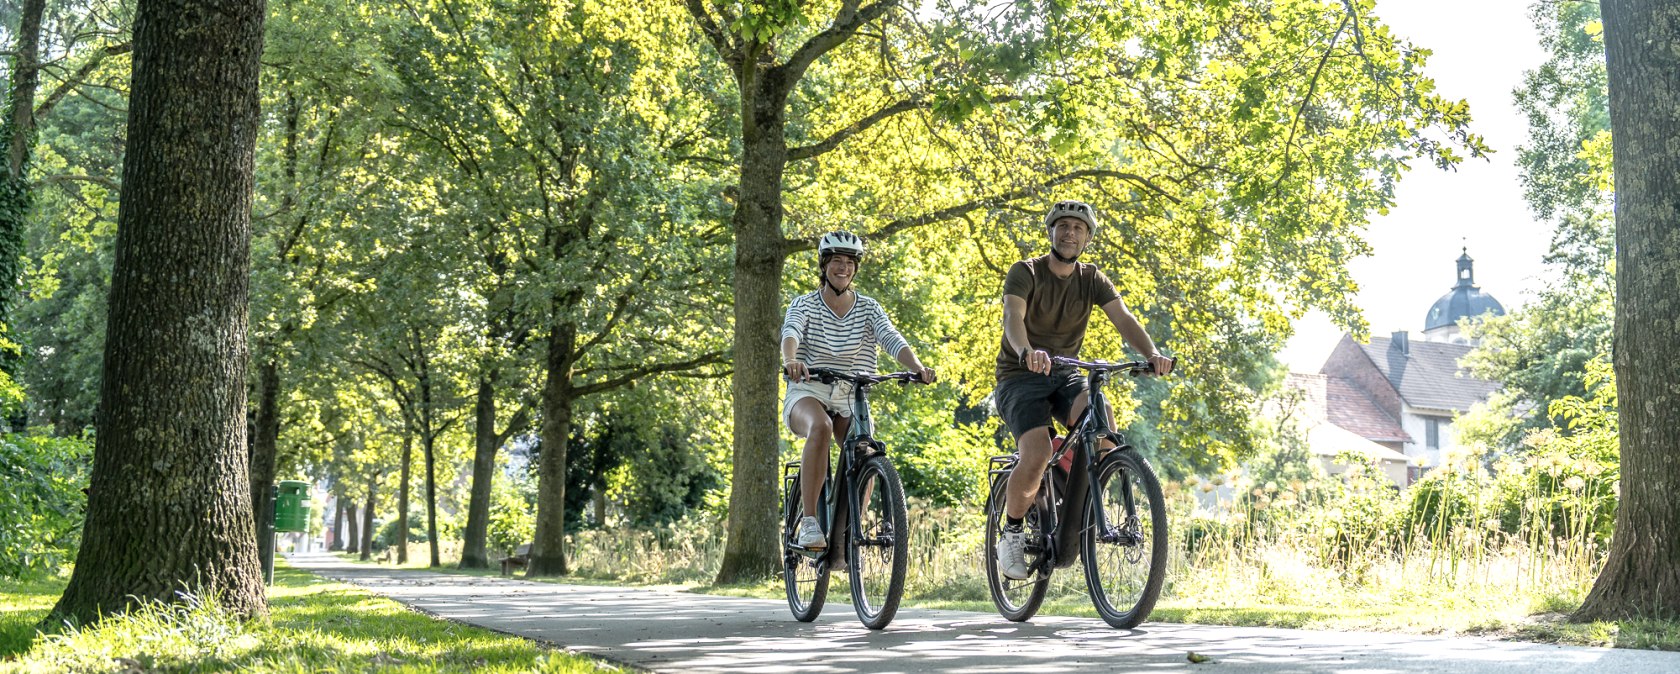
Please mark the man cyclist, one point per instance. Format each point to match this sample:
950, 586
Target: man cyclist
836, 328
1047, 303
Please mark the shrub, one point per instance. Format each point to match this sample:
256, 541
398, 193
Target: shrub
42, 505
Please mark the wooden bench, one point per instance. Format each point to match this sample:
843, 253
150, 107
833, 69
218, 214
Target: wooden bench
520, 559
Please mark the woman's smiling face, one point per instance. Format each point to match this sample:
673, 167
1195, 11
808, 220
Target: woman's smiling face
840, 270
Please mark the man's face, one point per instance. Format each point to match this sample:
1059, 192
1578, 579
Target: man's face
840, 270
1069, 235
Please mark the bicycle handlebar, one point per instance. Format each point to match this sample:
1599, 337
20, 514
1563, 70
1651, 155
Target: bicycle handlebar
1134, 368
827, 376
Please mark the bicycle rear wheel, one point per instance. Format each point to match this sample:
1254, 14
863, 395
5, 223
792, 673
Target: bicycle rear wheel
878, 546
1016, 600
806, 578
1126, 561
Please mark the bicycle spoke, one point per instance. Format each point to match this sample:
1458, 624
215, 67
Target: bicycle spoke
878, 553
1125, 564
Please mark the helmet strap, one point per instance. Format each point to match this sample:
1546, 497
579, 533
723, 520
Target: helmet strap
837, 292
1063, 260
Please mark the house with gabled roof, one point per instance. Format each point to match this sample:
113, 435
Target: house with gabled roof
1399, 393
1403, 394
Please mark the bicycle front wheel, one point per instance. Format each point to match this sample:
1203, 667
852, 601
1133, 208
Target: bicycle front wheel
878, 547
805, 577
1126, 554
1016, 600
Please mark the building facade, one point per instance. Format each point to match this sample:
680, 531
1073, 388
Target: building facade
1401, 393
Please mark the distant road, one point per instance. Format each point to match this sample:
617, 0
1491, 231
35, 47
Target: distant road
668, 631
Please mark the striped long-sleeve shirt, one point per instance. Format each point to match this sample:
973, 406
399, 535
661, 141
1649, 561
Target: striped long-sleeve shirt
845, 343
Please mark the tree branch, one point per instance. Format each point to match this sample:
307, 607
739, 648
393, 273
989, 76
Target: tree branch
1312, 88
834, 140
996, 200
846, 22
613, 317
103, 181
637, 373
79, 76
730, 53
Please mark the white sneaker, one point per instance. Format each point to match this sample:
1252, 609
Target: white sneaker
1012, 555
810, 534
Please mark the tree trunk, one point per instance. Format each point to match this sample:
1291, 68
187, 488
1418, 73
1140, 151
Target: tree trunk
600, 505
752, 553
337, 533
428, 445
169, 506
1640, 578
367, 517
266, 437
402, 500
548, 551
355, 538
17, 135
473, 554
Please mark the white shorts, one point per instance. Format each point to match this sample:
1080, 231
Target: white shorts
836, 397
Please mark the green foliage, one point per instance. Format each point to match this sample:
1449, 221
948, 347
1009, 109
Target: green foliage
513, 515
387, 535
41, 506
654, 470
1541, 351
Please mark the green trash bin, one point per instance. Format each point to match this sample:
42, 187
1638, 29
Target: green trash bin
291, 506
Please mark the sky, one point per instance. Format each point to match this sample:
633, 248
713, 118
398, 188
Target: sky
1481, 49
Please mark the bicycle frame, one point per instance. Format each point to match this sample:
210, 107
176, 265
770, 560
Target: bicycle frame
837, 510
1071, 507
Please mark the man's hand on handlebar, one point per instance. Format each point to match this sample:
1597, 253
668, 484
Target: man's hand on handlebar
1037, 360
1163, 365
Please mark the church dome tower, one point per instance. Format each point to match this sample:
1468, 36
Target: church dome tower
1465, 300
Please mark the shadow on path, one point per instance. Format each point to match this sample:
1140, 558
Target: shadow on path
672, 631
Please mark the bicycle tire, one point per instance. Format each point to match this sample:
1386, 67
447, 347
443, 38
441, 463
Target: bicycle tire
1124, 573
1016, 600
878, 546
806, 579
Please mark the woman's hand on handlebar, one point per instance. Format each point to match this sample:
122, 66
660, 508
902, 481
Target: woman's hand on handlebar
928, 376
796, 371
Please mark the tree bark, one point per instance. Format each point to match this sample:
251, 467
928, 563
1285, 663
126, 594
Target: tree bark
263, 449
402, 500
354, 539
473, 555
1641, 578
337, 531
548, 550
367, 517
17, 134
751, 552
169, 505
428, 445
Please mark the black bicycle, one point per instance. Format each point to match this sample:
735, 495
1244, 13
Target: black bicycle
868, 494
1119, 528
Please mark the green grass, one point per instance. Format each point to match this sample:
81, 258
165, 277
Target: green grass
313, 626
1276, 590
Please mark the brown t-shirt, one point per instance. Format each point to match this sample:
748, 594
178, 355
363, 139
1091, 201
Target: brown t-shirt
1058, 309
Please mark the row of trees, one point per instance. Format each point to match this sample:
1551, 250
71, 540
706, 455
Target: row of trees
479, 220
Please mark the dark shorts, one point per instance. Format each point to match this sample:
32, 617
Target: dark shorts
1026, 401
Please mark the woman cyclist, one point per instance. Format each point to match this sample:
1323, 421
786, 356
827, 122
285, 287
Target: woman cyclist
836, 328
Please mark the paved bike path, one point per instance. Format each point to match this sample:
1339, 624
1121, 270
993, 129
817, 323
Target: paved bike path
669, 631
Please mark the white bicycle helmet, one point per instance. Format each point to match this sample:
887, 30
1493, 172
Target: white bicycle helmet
842, 242
1074, 209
